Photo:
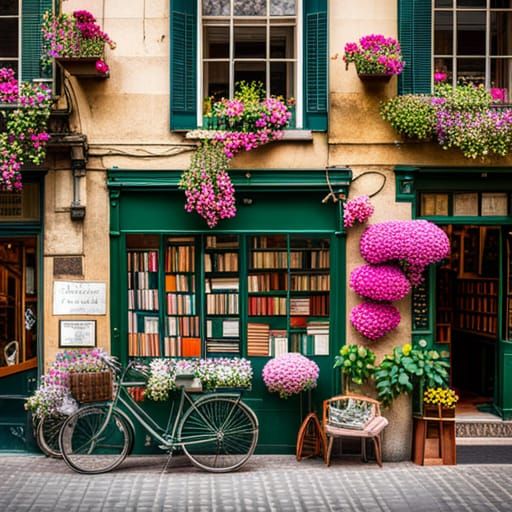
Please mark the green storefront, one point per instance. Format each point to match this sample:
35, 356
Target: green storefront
277, 267
465, 306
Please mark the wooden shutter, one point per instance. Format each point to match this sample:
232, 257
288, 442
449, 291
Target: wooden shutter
415, 35
315, 64
31, 38
183, 64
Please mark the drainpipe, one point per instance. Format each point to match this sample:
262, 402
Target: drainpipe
78, 159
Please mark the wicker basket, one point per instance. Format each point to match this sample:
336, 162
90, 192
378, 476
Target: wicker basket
91, 386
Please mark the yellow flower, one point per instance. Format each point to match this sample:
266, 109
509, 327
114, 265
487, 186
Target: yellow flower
406, 349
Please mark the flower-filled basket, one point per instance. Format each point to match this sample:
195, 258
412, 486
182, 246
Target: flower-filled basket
87, 387
77, 43
439, 403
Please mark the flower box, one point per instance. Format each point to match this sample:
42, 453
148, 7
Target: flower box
81, 67
438, 411
374, 78
87, 387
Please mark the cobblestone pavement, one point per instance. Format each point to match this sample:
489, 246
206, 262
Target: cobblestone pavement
266, 483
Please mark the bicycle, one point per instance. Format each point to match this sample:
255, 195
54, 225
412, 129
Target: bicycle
47, 435
217, 431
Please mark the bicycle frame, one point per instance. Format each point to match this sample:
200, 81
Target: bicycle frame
167, 437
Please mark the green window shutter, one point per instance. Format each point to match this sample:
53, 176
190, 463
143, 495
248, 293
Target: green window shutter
315, 64
183, 64
415, 35
31, 38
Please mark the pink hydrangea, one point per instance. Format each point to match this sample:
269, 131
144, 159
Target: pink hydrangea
382, 283
290, 374
374, 320
359, 209
414, 243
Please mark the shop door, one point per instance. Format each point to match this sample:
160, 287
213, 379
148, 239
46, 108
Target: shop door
18, 337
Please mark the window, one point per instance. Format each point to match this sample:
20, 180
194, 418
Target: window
9, 34
473, 42
252, 41
280, 43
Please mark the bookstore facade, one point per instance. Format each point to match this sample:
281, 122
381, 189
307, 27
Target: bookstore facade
269, 281
465, 306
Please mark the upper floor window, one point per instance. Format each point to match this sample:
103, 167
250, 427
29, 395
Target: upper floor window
9, 34
473, 42
252, 41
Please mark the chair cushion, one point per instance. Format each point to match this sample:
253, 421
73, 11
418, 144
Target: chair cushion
351, 413
373, 428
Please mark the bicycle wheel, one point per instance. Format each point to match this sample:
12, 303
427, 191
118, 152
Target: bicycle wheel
93, 442
47, 435
219, 434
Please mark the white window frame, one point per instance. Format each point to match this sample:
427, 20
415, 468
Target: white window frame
298, 61
18, 58
454, 56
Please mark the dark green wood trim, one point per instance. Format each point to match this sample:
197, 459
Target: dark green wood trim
265, 179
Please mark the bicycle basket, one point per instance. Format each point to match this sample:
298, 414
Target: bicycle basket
91, 386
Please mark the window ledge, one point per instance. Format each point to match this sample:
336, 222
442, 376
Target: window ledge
289, 135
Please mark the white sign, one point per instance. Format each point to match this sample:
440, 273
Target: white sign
79, 298
77, 333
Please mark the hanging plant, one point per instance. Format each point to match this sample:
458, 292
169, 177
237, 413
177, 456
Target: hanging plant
74, 36
380, 283
374, 320
359, 209
241, 124
24, 137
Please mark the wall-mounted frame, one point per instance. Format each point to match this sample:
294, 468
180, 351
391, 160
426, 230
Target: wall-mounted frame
77, 333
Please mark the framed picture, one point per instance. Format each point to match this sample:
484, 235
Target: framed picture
77, 333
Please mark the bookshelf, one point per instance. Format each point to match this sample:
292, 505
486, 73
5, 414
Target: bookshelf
182, 326
222, 294
143, 297
288, 295
227, 295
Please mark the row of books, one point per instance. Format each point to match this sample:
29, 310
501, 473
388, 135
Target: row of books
142, 261
307, 282
279, 242
222, 242
143, 344
221, 283
183, 326
300, 306
142, 280
271, 281
263, 341
181, 304
182, 346
319, 305
222, 304
221, 262
267, 306
480, 322
143, 299
277, 259
216, 346
179, 258
179, 283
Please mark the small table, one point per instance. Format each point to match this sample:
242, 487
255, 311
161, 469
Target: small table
434, 441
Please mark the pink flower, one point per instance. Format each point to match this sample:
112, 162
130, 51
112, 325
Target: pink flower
440, 76
374, 320
382, 283
359, 209
499, 95
102, 67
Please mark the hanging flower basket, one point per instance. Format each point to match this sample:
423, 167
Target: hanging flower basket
374, 78
82, 67
87, 387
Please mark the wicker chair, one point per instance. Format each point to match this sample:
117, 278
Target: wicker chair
353, 416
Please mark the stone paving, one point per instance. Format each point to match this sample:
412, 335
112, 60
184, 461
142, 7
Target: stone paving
275, 483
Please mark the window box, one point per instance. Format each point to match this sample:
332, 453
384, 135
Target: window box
374, 78
81, 67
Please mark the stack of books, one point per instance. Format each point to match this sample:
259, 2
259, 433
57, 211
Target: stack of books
257, 339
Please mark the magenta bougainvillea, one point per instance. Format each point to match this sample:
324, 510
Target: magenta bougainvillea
413, 243
374, 320
290, 374
359, 209
382, 283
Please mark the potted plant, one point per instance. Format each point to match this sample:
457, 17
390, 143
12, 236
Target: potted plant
290, 374
376, 57
439, 402
356, 363
77, 44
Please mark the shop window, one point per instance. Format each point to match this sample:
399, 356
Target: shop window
9, 34
464, 204
20, 206
238, 295
473, 42
18, 303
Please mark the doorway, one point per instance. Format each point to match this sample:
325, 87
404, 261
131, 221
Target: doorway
467, 312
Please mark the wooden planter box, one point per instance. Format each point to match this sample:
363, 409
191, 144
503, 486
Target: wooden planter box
437, 411
81, 67
374, 78
434, 441
87, 387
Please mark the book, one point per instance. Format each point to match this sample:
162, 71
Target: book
258, 339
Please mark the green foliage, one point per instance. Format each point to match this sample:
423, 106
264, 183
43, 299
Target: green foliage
405, 368
464, 98
413, 116
356, 362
